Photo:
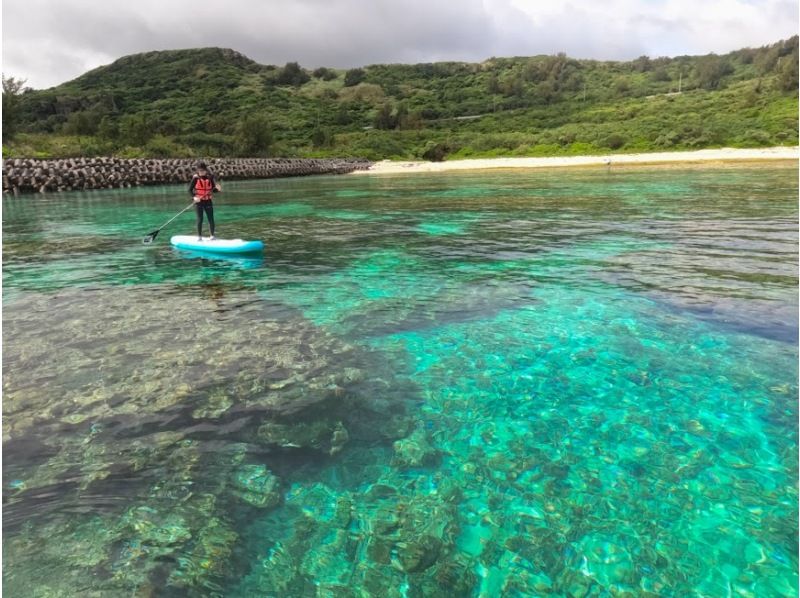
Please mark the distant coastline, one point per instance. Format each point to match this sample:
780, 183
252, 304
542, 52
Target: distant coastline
706, 157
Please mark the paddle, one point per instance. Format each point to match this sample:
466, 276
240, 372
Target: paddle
150, 237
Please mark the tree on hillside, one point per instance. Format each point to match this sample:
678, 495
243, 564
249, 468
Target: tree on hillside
659, 74
711, 69
108, 129
533, 71
545, 92
322, 137
328, 95
401, 118
218, 123
384, 119
562, 73
513, 86
745, 55
12, 89
413, 120
135, 129
622, 86
552, 66
425, 70
435, 152
570, 79
167, 126
354, 77
614, 141
642, 64
766, 60
343, 116
84, 122
493, 84
253, 135
292, 74
787, 75
324, 74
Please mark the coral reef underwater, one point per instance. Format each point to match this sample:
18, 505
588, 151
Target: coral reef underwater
413, 396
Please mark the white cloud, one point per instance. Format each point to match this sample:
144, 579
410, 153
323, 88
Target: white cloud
50, 42
616, 28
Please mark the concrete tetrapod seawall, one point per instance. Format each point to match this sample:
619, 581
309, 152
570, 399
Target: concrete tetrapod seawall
33, 174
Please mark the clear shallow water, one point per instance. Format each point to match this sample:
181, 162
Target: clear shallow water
496, 384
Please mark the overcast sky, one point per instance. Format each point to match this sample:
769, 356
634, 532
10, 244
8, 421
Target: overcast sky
51, 41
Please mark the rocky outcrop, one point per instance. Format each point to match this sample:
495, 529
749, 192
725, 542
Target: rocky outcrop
32, 174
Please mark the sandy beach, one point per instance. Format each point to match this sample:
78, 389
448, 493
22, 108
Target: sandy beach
724, 155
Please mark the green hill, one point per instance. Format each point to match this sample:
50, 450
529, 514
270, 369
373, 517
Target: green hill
215, 102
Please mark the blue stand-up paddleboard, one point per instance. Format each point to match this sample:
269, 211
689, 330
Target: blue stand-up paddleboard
217, 245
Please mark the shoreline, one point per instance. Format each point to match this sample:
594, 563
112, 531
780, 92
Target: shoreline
706, 156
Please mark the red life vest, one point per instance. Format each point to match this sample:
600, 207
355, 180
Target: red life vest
202, 188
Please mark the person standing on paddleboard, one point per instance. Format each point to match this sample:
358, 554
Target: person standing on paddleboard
201, 189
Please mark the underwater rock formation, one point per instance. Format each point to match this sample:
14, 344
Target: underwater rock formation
257, 486
125, 365
377, 541
134, 400
414, 451
322, 434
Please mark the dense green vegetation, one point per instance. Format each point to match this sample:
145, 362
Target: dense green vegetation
215, 102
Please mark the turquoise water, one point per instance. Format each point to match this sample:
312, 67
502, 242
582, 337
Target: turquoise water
573, 383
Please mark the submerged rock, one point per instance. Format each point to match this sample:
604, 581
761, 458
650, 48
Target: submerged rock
257, 486
59, 556
697, 428
414, 451
607, 561
157, 528
369, 542
456, 576
134, 405
321, 434
118, 356
208, 557
418, 554
215, 404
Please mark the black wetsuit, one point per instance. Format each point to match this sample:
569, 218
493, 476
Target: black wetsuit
204, 205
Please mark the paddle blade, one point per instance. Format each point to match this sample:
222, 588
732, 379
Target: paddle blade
150, 237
